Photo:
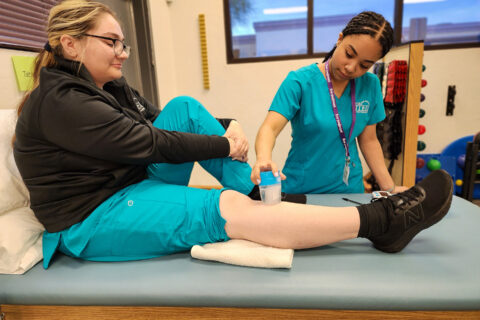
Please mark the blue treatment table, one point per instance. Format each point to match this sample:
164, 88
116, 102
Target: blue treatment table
438, 271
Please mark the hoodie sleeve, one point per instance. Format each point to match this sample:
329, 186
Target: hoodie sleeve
87, 125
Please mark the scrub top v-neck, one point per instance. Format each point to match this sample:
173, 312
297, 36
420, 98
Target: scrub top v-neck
316, 160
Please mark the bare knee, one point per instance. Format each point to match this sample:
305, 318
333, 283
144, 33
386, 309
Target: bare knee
232, 202
234, 208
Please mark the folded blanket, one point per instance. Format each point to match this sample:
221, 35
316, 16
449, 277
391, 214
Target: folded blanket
244, 253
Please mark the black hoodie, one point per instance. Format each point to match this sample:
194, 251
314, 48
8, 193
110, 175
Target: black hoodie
76, 144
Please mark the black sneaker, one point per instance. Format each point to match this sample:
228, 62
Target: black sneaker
414, 210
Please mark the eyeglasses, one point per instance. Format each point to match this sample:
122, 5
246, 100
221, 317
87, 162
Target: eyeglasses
118, 45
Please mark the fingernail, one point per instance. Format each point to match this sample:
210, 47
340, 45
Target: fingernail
275, 174
258, 181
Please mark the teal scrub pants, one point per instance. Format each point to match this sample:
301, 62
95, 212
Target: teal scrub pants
159, 215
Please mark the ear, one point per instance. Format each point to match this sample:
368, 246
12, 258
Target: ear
70, 46
340, 38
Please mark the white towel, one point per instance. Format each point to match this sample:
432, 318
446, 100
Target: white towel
244, 253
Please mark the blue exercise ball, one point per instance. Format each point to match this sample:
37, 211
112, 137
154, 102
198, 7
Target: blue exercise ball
461, 161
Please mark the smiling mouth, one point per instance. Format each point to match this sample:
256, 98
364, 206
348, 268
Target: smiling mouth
342, 75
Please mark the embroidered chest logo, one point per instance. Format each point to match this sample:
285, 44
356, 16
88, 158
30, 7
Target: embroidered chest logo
362, 106
139, 106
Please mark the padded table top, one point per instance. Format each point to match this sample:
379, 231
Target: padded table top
439, 270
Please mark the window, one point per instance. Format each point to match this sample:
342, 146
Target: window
441, 22
22, 23
329, 18
261, 30
268, 28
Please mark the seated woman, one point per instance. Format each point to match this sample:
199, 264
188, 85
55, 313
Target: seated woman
107, 172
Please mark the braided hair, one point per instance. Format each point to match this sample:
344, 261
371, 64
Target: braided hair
373, 24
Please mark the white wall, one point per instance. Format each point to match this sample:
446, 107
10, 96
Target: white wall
244, 91
460, 67
9, 93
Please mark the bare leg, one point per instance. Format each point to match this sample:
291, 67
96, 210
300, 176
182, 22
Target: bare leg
286, 225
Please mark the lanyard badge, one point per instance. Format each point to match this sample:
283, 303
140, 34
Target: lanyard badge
343, 138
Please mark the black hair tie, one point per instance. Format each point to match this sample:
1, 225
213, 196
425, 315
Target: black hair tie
47, 47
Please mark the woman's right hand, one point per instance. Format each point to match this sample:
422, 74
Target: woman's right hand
237, 149
264, 165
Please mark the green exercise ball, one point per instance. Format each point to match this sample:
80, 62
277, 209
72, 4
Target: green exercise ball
434, 164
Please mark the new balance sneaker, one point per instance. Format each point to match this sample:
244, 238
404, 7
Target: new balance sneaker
414, 210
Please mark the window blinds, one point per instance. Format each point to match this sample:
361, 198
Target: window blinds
23, 23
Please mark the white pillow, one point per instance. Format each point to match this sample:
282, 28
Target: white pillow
20, 231
13, 193
20, 241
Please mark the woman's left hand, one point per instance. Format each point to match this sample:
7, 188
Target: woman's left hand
235, 132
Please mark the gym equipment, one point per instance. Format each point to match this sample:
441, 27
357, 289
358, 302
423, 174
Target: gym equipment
420, 163
379, 70
434, 161
471, 168
434, 164
421, 145
396, 82
421, 129
389, 131
461, 161
456, 149
451, 100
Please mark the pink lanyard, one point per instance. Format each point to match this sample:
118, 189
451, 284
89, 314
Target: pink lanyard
343, 138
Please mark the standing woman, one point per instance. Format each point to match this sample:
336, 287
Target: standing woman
107, 172
330, 105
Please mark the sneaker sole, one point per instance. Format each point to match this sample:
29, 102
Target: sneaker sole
410, 234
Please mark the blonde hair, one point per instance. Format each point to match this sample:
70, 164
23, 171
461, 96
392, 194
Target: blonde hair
69, 17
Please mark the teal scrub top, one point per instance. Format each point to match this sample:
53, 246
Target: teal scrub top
316, 159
